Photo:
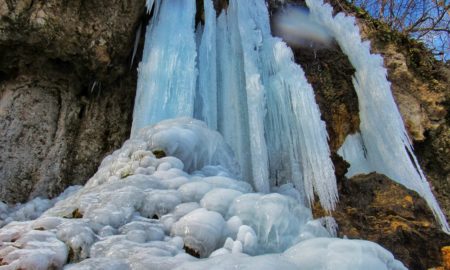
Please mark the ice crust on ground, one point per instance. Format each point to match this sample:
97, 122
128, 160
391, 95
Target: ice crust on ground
32, 209
383, 137
140, 212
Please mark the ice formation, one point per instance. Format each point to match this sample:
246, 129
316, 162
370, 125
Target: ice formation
249, 89
143, 212
206, 98
169, 55
383, 138
176, 190
32, 209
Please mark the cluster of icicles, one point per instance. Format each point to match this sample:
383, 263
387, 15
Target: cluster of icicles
243, 82
234, 188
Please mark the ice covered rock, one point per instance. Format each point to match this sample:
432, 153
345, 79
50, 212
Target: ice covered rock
219, 200
191, 142
276, 219
201, 230
341, 254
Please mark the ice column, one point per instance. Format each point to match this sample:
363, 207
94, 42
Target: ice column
206, 100
246, 13
232, 98
167, 73
389, 149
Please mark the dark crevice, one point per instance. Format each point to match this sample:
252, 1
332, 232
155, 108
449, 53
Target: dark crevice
200, 15
191, 251
3, 76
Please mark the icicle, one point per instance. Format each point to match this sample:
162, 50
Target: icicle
294, 135
136, 44
167, 74
354, 152
251, 38
207, 98
389, 150
232, 99
149, 5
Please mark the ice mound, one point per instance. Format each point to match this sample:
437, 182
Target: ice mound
143, 212
193, 143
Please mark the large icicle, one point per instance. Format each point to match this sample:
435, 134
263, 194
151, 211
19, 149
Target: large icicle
389, 149
207, 99
232, 99
251, 37
167, 73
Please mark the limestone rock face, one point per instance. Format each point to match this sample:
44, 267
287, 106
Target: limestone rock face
52, 136
66, 90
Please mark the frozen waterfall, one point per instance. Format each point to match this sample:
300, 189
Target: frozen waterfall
230, 189
248, 88
167, 74
244, 83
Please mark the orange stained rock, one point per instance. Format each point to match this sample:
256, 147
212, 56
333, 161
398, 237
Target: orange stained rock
446, 257
409, 199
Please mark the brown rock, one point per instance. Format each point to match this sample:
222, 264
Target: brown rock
446, 257
71, 31
329, 71
66, 90
374, 208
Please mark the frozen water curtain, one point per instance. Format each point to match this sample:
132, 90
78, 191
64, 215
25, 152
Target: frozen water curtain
235, 76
